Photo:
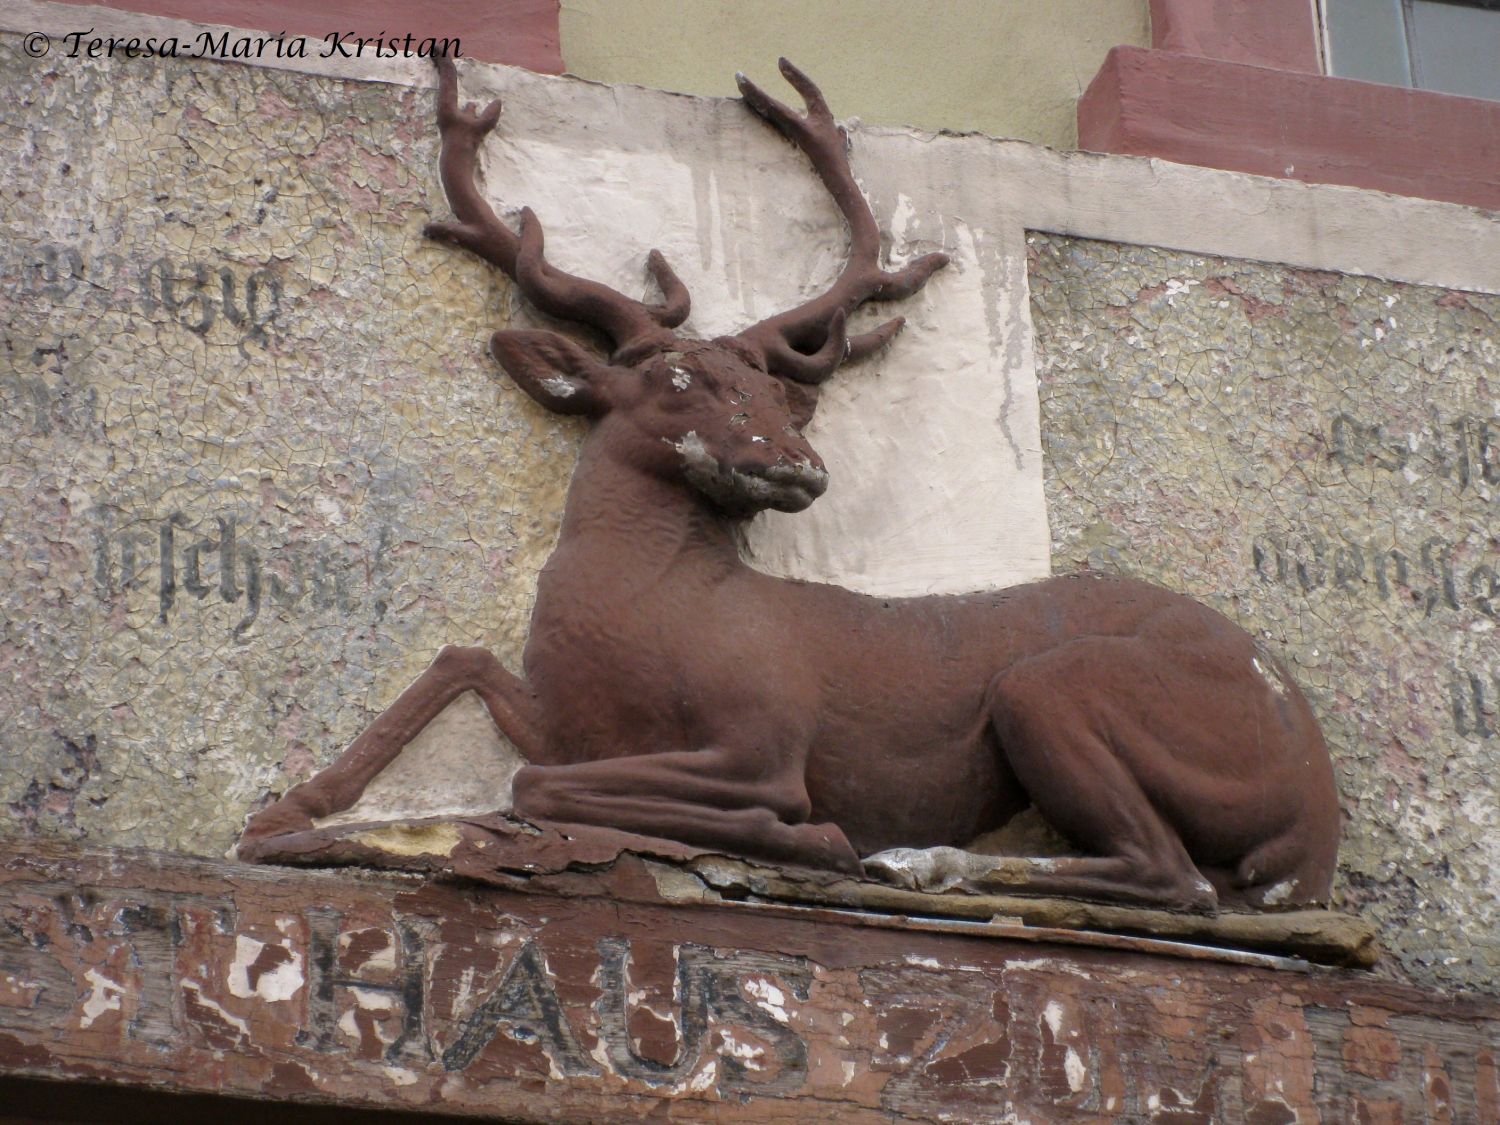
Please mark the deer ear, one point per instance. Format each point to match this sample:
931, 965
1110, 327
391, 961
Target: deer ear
553, 370
802, 400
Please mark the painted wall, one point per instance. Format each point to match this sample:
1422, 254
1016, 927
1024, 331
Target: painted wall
229, 353
1008, 68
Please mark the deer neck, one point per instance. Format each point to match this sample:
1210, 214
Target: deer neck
627, 522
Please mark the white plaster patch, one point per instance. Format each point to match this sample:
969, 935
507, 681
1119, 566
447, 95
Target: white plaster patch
382, 958
768, 997
1053, 1014
280, 983
218, 1009
104, 996
465, 989
750, 1055
1279, 893
378, 1004
400, 1075
372, 1001
459, 764
1074, 1069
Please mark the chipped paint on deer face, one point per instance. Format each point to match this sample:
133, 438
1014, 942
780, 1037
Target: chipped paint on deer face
784, 487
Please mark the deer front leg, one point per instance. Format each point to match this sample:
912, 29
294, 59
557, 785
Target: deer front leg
455, 670
705, 797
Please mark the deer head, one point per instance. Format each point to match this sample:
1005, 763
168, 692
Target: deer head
725, 415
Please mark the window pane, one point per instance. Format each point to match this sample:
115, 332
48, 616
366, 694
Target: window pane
1457, 49
1367, 40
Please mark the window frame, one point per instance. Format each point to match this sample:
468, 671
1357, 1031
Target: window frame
1410, 41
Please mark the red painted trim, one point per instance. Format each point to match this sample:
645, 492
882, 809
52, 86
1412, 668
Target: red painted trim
1278, 33
517, 32
1293, 125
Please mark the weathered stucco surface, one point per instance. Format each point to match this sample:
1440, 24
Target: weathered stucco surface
1318, 457
258, 467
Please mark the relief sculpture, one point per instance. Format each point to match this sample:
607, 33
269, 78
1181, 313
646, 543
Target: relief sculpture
672, 691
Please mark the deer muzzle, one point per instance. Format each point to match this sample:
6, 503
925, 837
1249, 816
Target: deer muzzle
786, 486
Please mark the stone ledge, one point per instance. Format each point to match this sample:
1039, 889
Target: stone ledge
504, 851
404, 991
1292, 125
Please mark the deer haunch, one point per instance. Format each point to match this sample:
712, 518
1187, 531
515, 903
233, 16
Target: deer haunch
1149, 730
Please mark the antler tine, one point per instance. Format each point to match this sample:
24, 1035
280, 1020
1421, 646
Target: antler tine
629, 323
794, 342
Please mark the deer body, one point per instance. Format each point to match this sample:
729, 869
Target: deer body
682, 693
671, 690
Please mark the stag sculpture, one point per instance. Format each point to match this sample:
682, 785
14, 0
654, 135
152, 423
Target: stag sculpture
671, 690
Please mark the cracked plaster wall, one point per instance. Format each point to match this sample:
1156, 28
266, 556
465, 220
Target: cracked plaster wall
1317, 456
255, 472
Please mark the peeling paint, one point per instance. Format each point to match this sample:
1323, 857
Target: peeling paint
281, 982
104, 996
608, 1005
770, 998
212, 1005
1053, 1014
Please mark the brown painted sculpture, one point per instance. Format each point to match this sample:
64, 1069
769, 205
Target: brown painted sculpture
672, 691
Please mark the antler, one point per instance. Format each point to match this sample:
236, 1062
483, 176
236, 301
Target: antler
808, 343
630, 324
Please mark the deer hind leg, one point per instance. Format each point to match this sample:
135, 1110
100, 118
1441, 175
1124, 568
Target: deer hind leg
1054, 725
1280, 873
454, 671
704, 797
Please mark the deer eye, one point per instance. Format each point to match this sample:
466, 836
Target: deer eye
740, 396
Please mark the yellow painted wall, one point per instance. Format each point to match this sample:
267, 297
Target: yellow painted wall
1010, 68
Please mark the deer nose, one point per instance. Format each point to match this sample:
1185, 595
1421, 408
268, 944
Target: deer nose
807, 476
